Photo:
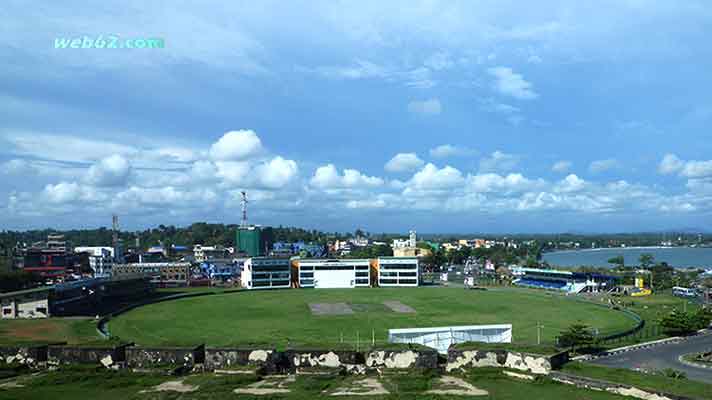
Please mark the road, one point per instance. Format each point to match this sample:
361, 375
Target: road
664, 356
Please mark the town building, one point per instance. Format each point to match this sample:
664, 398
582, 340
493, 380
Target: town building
162, 274
203, 253
398, 271
330, 273
266, 273
30, 303
411, 252
254, 240
217, 269
52, 259
101, 259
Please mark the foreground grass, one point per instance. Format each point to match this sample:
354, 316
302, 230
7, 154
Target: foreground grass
84, 383
49, 330
682, 387
283, 316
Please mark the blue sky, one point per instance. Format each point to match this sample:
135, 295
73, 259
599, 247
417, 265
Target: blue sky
488, 116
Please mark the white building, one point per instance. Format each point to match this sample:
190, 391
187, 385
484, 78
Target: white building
398, 271
411, 242
266, 273
101, 259
30, 303
203, 253
322, 273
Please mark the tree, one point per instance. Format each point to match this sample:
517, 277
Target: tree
646, 260
576, 335
684, 323
618, 260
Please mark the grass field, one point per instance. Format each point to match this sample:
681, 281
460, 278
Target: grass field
276, 317
50, 330
85, 383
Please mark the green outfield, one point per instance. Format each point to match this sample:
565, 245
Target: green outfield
284, 316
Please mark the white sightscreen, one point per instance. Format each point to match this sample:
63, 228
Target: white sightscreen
441, 338
334, 279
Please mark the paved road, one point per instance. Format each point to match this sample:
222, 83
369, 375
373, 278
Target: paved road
664, 356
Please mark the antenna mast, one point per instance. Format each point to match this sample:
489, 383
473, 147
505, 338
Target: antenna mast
243, 223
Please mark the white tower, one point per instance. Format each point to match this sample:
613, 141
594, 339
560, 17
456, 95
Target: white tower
412, 239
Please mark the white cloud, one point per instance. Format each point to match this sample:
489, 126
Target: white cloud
403, 162
512, 84
571, 183
203, 170
70, 192
110, 171
561, 166
15, 166
534, 59
491, 182
425, 107
277, 172
603, 165
65, 147
360, 70
670, 164
236, 146
432, 177
448, 150
233, 172
439, 61
499, 161
328, 177
697, 169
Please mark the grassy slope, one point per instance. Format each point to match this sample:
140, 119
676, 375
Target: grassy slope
110, 385
276, 316
653, 382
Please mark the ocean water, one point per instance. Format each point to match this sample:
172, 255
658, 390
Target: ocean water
675, 256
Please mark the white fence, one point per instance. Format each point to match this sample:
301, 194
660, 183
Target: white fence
441, 338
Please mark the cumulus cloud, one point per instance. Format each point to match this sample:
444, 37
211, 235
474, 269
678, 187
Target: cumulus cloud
672, 164
403, 162
491, 182
448, 150
561, 166
571, 183
603, 165
277, 172
432, 177
236, 146
425, 107
509, 83
328, 177
499, 161
70, 192
110, 171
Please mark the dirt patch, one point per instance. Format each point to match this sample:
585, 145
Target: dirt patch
272, 385
450, 385
397, 306
172, 386
330, 309
362, 387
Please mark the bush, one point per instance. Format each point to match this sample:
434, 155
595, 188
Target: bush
674, 374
